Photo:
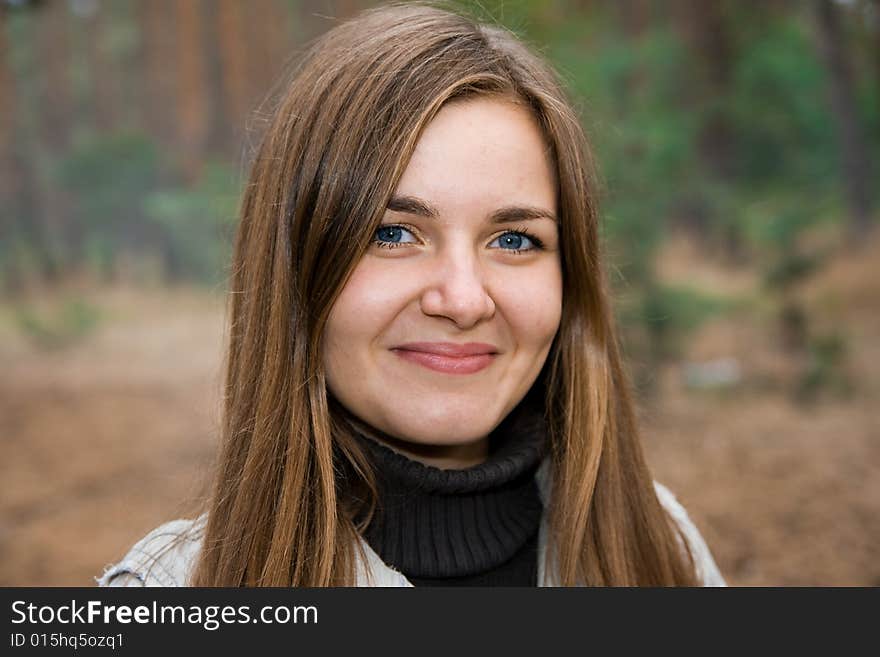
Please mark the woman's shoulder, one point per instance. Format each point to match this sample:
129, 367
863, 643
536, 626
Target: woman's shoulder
164, 557
707, 570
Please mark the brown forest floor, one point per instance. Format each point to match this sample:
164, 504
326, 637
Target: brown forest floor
109, 436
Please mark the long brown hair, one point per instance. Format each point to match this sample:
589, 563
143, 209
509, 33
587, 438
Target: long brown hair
339, 141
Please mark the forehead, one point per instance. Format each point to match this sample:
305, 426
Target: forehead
481, 152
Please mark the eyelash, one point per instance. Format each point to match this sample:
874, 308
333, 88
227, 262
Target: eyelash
392, 245
522, 232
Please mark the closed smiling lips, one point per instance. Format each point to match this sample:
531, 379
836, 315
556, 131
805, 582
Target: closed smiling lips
448, 357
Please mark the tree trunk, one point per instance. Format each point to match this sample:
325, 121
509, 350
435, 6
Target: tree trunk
103, 74
159, 58
234, 59
54, 58
192, 88
219, 142
876, 13
855, 163
22, 223
709, 30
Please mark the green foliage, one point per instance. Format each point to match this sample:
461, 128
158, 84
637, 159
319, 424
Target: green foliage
630, 90
776, 229
826, 368
61, 326
779, 111
682, 309
106, 178
775, 224
661, 318
125, 200
108, 172
791, 269
198, 221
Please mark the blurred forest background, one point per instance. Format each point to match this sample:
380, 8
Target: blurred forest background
739, 149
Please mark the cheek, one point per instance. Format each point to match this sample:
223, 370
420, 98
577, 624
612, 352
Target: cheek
365, 307
532, 304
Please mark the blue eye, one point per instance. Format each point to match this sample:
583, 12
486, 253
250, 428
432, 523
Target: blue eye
392, 235
517, 242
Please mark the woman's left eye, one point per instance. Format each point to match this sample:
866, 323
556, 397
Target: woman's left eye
516, 241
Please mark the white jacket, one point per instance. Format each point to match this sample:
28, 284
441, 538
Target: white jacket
156, 561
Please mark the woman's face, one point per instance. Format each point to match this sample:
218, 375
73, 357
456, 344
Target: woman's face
448, 318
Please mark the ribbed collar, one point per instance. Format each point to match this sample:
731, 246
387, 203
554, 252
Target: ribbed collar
437, 523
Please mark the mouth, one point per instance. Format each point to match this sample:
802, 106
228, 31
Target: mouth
448, 357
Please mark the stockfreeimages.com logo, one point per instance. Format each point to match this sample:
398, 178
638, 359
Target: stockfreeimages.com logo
211, 617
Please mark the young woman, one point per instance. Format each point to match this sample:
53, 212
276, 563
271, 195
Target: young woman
423, 382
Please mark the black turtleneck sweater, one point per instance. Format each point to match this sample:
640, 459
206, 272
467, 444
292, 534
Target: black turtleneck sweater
472, 527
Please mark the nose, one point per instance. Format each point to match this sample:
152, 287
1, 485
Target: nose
457, 291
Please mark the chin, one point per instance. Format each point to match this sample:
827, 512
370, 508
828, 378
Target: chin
455, 430
450, 421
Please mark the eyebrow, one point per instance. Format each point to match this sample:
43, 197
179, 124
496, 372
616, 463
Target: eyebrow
508, 214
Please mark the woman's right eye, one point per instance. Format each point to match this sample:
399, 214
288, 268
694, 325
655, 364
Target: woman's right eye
392, 235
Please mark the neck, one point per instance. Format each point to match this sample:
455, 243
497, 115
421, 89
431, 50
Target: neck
444, 457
